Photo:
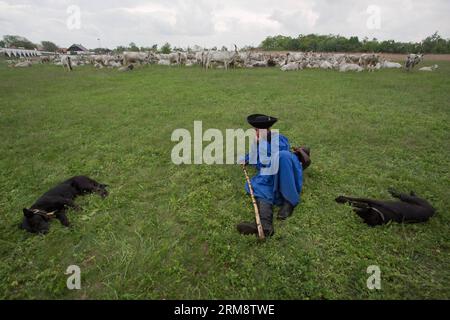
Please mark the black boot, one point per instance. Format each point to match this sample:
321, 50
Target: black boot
266, 215
286, 211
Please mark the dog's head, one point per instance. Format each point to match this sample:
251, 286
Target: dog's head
100, 189
86, 185
35, 223
341, 199
97, 188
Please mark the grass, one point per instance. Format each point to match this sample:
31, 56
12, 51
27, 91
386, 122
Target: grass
168, 232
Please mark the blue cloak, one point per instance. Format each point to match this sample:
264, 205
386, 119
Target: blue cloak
286, 183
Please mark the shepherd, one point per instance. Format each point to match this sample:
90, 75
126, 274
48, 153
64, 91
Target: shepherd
280, 188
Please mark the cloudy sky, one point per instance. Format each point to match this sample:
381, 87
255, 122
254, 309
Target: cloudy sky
216, 23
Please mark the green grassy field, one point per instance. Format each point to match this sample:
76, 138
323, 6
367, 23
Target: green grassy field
168, 232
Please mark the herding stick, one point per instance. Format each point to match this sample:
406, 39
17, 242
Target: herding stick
255, 205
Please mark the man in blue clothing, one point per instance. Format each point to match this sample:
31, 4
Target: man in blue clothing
280, 174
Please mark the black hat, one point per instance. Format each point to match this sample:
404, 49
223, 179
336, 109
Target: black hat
261, 121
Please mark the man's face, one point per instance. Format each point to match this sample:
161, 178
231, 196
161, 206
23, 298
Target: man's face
261, 133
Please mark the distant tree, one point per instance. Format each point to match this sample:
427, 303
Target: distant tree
120, 49
18, 42
166, 48
2, 44
354, 44
102, 50
246, 48
435, 44
196, 48
224, 48
49, 46
133, 47
276, 43
155, 47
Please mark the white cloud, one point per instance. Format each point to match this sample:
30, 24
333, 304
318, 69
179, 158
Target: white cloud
216, 23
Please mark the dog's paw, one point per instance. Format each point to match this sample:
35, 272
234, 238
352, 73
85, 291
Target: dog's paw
340, 199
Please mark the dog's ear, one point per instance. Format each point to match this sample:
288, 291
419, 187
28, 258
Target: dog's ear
27, 213
75, 185
413, 194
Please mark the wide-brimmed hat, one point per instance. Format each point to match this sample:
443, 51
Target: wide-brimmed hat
261, 121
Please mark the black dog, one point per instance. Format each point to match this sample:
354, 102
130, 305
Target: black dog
410, 209
55, 202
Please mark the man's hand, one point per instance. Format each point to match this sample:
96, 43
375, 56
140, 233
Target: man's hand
303, 155
242, 161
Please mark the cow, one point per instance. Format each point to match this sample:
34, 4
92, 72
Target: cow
164, 62
44, 59
96, 59
292, 66
350, 67
182, 58
200, 58
352, 59
108, 60
23, 64
390, 65
127, 68
429, 69
369, 61
325, 65
294, 57
114, 64
135, 57
178, 58
412, 60
221, 57
66, 62
174, 58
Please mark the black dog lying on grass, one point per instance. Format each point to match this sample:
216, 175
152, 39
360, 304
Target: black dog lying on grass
53, 203
410, 209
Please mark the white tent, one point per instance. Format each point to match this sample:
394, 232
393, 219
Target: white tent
20, 52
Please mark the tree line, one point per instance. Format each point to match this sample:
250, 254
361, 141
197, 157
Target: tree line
11, 41
312, 42
335, 43
19, 42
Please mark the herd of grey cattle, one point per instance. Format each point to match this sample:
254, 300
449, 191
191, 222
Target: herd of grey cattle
289, 61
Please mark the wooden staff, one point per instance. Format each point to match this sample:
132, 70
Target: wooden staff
255, 206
